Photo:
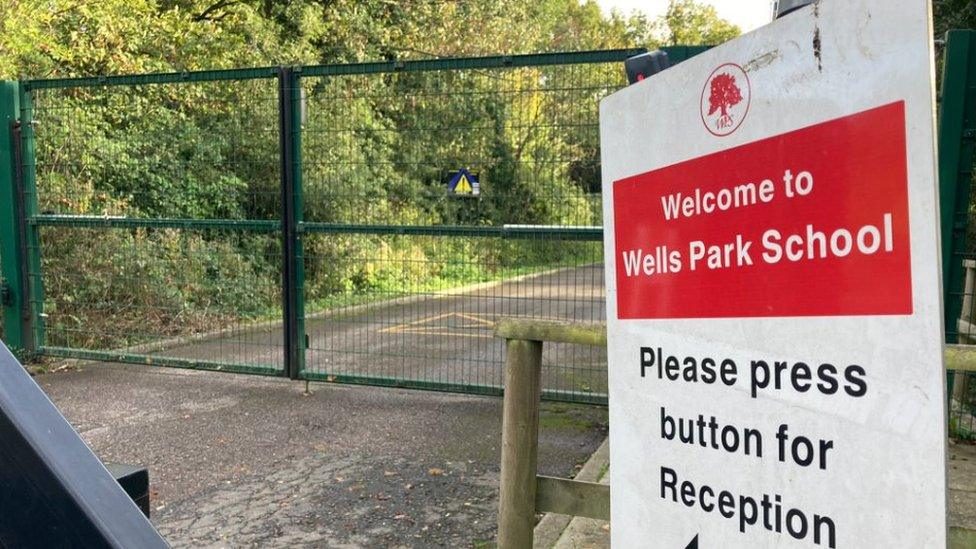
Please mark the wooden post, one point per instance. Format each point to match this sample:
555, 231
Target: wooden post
967, 301
520, 444
960, 385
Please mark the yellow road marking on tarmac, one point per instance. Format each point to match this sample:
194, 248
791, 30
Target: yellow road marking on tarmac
426, 326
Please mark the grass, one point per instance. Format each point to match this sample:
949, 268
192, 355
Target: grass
562, 416
160, 309
430, 286
467, 275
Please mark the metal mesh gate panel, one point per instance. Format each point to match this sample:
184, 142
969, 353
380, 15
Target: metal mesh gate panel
405, 274
154, 211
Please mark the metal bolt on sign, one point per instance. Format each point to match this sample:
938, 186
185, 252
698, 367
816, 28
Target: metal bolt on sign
786, 6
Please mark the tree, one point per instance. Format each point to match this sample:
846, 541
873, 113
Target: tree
953, 14
691, 23
376, 146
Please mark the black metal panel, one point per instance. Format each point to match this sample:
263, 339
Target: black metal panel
54, 492
135, 481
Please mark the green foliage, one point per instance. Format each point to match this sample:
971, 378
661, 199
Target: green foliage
953, 14
375, 148
134, 287
47, 38
691, 23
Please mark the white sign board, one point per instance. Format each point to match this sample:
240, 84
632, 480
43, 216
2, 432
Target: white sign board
773, 294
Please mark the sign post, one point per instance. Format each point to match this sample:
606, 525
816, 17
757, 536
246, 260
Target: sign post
774, 325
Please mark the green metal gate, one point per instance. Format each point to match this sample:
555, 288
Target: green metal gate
150, 220
300, 221
418, 275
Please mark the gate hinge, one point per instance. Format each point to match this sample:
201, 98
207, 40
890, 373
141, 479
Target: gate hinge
6, 295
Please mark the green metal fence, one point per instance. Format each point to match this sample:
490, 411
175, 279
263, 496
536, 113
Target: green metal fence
957, 131
299, 222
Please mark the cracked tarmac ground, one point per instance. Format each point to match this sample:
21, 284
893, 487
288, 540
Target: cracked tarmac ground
355, 501
242, 461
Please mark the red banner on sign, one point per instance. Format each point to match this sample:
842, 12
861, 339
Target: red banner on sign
813, 222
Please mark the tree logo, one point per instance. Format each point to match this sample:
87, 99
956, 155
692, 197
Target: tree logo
725, 99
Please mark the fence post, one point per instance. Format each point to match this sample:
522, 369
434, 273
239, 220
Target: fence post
298, 204
11, 251
33, 277
293, 270
520, 442
957, 130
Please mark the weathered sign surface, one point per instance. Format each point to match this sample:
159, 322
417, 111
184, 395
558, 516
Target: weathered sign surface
773, 289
